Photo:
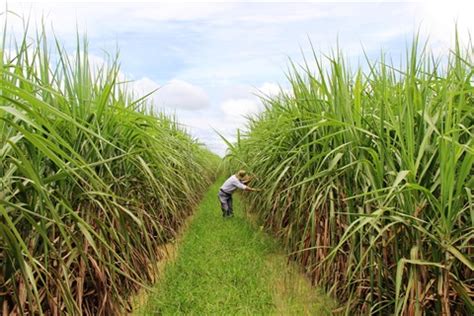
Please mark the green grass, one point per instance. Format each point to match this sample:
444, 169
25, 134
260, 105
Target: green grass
228, 267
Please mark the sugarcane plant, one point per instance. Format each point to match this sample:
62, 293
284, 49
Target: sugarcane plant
368, 178
93, 181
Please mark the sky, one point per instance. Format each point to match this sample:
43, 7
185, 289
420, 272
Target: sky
211, 61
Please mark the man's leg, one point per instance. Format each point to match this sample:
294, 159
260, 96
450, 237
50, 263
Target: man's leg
224, 206
230, 210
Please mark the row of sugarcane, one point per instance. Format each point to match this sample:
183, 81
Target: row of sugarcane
367, 179
92, 184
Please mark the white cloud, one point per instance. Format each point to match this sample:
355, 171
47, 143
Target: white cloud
248, 103
144, 86
238, 102
175, 94
240, 108
181, 94
179, 11
438, 19
235, 112
269, 89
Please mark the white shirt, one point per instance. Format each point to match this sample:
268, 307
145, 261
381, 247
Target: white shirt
231, 184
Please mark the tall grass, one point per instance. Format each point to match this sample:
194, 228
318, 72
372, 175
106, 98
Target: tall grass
368, 179
92, 182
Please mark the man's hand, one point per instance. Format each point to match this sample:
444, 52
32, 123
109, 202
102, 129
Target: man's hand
253, 190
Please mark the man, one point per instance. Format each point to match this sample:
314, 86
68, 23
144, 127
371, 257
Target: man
236, 181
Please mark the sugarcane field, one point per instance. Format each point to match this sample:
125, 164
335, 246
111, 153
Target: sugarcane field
236, 158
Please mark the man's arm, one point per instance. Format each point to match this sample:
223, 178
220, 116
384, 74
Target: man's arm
247, 188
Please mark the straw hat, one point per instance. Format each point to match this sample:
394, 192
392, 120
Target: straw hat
241, 174
246, 179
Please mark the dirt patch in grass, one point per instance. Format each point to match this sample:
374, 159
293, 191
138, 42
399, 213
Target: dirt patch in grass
292, 292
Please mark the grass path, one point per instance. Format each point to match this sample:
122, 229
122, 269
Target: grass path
227, 267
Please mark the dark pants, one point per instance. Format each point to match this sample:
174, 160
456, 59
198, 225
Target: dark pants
226, 203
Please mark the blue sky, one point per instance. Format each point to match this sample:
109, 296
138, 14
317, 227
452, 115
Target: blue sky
209, 59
